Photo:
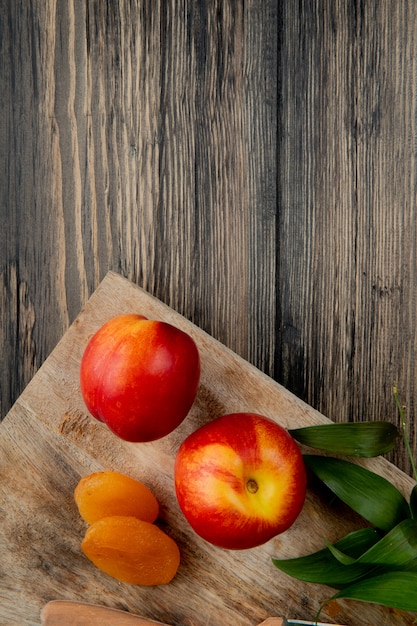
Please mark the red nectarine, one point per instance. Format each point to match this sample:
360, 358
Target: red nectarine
240, 480
140, 376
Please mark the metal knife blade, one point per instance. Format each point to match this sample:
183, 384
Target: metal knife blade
284, 621
300, 622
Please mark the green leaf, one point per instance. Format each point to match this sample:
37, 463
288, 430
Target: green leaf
367, 493
411, 566
322, 567
401, 410
343, 558
362, 439
393, 589
397, 549
360, 554
413, 502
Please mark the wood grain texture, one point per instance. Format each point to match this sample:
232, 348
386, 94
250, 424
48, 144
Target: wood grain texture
347, 275
48, 441
252, 164
141, 138
62, 613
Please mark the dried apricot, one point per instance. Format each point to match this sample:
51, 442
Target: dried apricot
107, 493
132, 550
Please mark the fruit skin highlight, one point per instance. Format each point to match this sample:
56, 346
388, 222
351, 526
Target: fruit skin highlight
132, 550
139, 376
240, 480
107, 493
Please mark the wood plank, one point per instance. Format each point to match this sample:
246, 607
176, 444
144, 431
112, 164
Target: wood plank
250, 164
143, 134
347, 223
48, 441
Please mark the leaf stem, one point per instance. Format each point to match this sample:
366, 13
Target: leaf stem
401, 410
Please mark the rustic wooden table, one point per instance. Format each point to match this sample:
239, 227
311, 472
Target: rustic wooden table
48, 441
252, 164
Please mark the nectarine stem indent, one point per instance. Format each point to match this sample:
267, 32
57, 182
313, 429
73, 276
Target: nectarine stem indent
252, 485
240, 480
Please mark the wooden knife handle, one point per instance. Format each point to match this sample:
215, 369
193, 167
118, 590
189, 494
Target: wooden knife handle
63, 613
66, 613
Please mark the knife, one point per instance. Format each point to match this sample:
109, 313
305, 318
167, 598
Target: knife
66, 613
285, 621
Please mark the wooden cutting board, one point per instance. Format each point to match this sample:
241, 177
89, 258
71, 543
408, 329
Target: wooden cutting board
48, 441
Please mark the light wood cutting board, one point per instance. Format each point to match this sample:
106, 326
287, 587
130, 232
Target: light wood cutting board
48, 441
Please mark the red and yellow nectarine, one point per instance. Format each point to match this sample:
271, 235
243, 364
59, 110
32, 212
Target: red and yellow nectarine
240, 480
140, 376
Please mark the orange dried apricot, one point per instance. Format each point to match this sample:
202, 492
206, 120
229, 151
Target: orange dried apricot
132, 550
107, 493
